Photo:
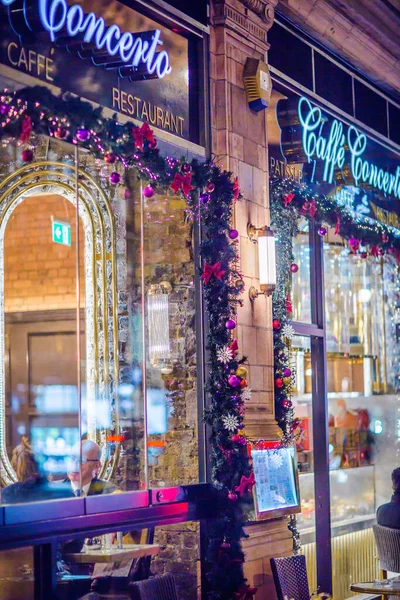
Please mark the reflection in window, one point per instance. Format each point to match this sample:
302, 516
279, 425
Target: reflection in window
301, 284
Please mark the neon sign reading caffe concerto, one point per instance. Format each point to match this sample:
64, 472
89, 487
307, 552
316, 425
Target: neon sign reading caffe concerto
60, 20
330, 147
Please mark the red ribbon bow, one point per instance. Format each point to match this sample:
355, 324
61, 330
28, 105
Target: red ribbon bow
245, 592
182, 181
236, 190
26, 129
246, 483
287, 199
289, 306
313, 208
374, 250
234, 346
210, 270
143, 133
337, 228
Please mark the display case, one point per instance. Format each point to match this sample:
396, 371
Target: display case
352, 501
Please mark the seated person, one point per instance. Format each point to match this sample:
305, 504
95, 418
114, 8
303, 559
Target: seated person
32, 486
388, 514
83, 478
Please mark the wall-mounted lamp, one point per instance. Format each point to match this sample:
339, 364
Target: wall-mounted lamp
158, 321
266, 260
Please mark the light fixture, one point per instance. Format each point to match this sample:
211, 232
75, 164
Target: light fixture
158, 325
266, 260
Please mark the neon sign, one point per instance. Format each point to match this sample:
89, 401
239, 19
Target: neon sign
105, 45
327, 141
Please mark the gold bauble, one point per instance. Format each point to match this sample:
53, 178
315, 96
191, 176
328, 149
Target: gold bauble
241, 372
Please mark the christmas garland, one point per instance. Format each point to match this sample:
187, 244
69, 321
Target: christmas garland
210, 194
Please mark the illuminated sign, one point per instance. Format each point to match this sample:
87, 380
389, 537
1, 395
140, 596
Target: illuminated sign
327, 141
89, 35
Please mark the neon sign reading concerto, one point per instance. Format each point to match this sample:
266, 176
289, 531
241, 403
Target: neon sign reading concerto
330, 147
60, 20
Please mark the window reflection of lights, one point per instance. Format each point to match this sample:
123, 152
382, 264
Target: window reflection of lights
308, 372
158, 323
342, 477
364, 295
331, 448
378, 426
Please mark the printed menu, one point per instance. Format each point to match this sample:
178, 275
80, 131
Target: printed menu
274, 472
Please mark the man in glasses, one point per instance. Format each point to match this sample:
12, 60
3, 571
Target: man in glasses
83, 474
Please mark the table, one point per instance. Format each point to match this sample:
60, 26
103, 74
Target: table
129, 551
369, 587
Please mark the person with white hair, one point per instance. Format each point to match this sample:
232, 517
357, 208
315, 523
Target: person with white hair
83, 471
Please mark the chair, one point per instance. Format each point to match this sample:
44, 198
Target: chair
290, 577
388, 546
155, 588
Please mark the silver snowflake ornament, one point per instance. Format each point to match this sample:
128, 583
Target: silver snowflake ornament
288, 331
224, 355
246, 394
231, 423
276, 461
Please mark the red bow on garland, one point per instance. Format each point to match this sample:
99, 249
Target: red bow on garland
234, 347
210, 270
337, 228
182, 181
313, 208
26, 129
143, 133
245, 592
374, 251
236, 190
287, 199
246, 483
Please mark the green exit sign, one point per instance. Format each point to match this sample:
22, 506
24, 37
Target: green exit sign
61, 233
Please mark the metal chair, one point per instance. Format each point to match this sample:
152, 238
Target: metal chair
155, 588
388, 546
290, 577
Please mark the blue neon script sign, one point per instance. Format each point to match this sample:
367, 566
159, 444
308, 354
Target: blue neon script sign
60, 21
328, 142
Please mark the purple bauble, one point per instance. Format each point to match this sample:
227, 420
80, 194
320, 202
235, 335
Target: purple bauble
230, 324
233, 234
148, 191
322, 231
210, 187
3, 109
353, 241
115, 178
294, 268
287, 372
234, 381
204, 198
83, 134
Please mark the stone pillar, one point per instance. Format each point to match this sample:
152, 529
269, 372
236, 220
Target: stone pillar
239, 143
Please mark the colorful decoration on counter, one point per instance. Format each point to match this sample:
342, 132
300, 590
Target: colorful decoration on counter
136, 148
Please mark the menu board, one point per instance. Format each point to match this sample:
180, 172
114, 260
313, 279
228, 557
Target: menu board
276, 481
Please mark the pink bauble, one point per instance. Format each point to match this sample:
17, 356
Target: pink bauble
294, 268
115, 178
110, 158
353, 241
234, 381
232, 496
148, 191
233, 234
27, 155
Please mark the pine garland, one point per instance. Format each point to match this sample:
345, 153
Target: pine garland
210, 194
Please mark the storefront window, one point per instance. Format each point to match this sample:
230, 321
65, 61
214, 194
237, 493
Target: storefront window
361, 299
124, 401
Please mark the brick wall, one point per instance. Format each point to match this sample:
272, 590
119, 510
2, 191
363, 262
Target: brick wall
39, 274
